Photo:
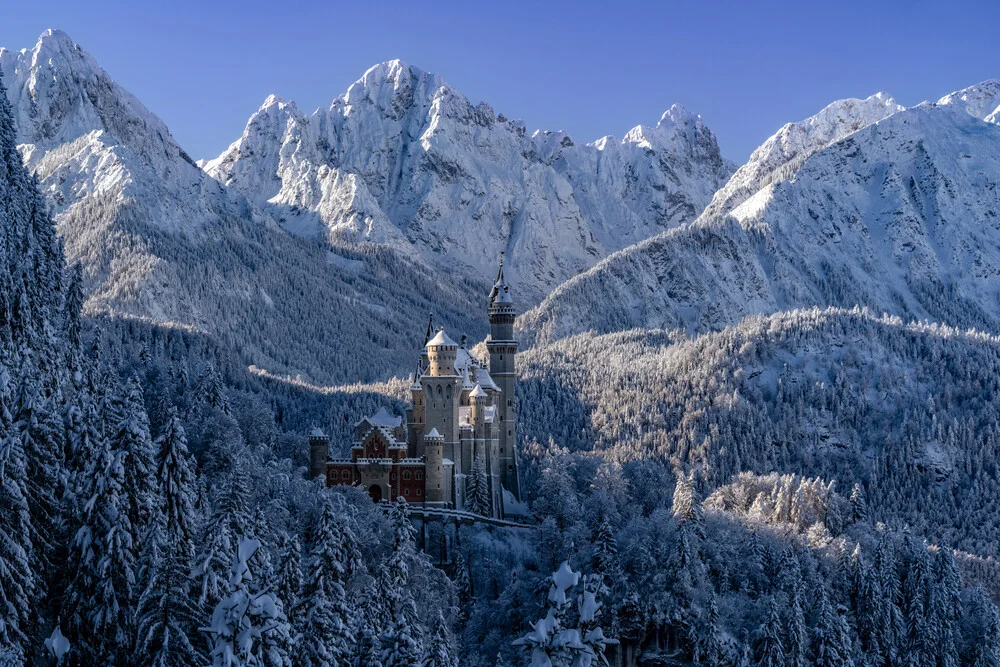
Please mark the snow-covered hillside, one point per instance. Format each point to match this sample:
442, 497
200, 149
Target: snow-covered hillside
404, 159
160, 239
901, 215
906, 410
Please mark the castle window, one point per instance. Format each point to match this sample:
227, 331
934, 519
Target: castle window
392, 476
440, 390
406, 491
420, 475
420, 492
406, 474
345, 475
448, 392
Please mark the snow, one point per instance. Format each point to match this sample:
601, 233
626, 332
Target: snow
981, 100
384, 419
562, 580
57, 644
478, 392
862, 204
441, 339
434, 435
404, 159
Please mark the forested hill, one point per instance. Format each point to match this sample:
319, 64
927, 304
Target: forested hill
908, 411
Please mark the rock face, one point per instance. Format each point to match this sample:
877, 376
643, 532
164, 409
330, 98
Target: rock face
160, 239
898, 210
403, 159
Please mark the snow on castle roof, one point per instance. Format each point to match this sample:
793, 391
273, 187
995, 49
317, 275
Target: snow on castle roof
477, 392
441, 339
382, 419
486, 380
434, 435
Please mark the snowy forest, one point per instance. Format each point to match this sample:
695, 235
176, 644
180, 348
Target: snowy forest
807, 488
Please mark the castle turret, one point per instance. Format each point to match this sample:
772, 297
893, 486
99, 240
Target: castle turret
478, 400
415, 417
502, 349
319, 453
438, 489
442, 387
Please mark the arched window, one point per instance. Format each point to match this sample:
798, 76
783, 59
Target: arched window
448, 392
439, 390
345, 475
406, 474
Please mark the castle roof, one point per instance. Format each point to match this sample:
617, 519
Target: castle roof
478, 392
500, 294
434, 435
317, 432
485, 380
382, 418
441, 339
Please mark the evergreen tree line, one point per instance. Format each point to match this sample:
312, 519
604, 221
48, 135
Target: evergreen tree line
146, 518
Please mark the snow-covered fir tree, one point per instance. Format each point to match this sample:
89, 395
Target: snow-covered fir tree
244, 615
324, 636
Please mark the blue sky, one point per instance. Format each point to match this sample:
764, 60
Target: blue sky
589, 68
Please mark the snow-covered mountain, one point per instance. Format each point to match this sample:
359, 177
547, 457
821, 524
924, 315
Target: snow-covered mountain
404, 159
160, 239
864, 204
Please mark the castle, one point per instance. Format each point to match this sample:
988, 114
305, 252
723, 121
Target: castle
456, 449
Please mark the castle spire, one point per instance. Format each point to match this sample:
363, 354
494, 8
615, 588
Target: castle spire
501, 290
430, 328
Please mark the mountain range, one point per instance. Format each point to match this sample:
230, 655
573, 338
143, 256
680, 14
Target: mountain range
319, 255
865, 203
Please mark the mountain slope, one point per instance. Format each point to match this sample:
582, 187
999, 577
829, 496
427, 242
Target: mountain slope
908, 411
902, 215
402, 158
160, 239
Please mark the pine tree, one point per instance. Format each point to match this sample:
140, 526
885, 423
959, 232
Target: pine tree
463, 587
713, 652
40, 434
828, 648
167, 613
440, 652
289, 576
324, 635
175, 479
477, 492
133, 439
768, 649
945, 609
17, 576
244, 615
401, 638
553, 641
983, 632
797, 634
220, 534
98, 612
859, 505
